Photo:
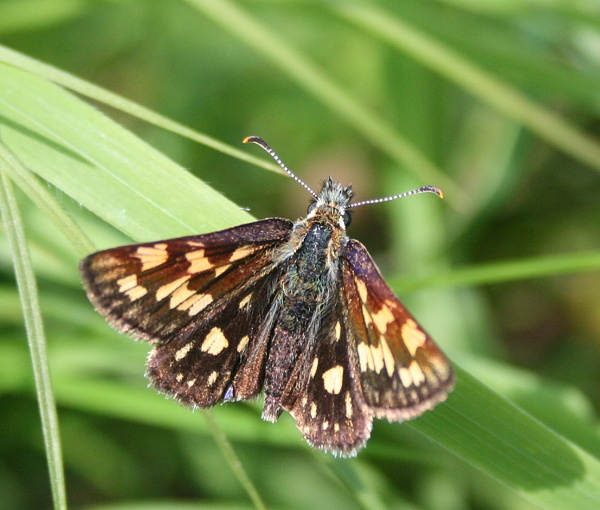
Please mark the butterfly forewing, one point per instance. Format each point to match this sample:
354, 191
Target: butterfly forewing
200, 298
200, 365
402, 372
153, 290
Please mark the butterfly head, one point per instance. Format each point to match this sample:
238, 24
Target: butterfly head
332, 201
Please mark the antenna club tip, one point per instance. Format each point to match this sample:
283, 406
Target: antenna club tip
258, 141
435, 190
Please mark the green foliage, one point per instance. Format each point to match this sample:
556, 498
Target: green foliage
496, 103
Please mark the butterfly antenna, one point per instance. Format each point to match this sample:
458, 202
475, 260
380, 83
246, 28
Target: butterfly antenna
259, 141
424, 189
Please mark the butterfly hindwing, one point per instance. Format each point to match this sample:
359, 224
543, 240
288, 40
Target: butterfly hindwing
402, 372
219, 359
326, 400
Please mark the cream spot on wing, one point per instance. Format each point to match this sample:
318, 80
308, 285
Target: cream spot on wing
388, 357
348, 400
137, 292
336, 427
129, 286
333, 378
392, 303
212, 378
377, 357
244, 302
242, 252
215, 342
313, 410
198, 261
365, 357
382, 318
152, 256
191, 382
338, 330
405, 377
313, 368
179, 377
183, 351
168, 288
442, 371
199, 303
412, 336
430, 376
179, 297
127, 283
243, 343
362, 290
325, 425
416, 373
221, 269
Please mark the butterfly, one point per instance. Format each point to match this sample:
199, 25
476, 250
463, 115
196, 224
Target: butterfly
297, 311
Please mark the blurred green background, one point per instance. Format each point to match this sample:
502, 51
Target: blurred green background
494, 102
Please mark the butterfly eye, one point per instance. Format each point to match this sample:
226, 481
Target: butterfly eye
311, 207
347, 218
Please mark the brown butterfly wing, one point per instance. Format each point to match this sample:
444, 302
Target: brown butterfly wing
200, 299
402, 372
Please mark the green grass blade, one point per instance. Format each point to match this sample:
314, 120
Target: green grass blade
496, 272
35, 335
89, 157
233, 460
87, 89
44, 200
